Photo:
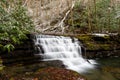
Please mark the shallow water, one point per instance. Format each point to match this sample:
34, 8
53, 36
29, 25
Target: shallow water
107, 69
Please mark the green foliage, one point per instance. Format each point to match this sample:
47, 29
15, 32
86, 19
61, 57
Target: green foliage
106, 15
14, 24
79, 17
8, 47
99, 16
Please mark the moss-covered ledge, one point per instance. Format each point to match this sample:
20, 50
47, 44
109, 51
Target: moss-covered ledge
100, 46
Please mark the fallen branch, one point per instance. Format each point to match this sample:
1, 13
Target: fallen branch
62, 21
25, 3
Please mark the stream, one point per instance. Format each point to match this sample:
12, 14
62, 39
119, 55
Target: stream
65, 52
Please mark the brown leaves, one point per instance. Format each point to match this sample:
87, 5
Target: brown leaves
59, 74
50, 73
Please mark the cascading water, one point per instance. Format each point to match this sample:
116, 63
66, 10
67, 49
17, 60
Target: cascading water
66, 49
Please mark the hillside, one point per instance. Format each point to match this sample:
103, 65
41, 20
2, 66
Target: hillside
50, 15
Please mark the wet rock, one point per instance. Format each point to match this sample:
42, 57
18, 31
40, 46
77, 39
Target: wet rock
55, 63
58, 74
100, 46
49, 73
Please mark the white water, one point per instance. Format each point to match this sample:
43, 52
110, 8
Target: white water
65, 49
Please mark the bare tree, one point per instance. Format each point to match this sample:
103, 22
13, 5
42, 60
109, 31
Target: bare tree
49, 14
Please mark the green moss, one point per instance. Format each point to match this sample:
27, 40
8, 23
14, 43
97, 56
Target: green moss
1, 68
85, 38
91, 46
95, 42
105, 46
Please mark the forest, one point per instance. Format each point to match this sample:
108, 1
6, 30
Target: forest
74, 17
95, 23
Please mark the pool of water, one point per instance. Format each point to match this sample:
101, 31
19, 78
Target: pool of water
107, 69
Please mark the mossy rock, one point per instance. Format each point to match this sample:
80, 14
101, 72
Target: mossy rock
84, 38
92, 42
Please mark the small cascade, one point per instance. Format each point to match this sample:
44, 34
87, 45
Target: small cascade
66, 49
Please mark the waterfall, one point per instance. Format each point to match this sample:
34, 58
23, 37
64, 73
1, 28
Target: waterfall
66, 49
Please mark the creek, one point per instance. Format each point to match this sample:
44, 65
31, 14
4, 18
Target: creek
58, 50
